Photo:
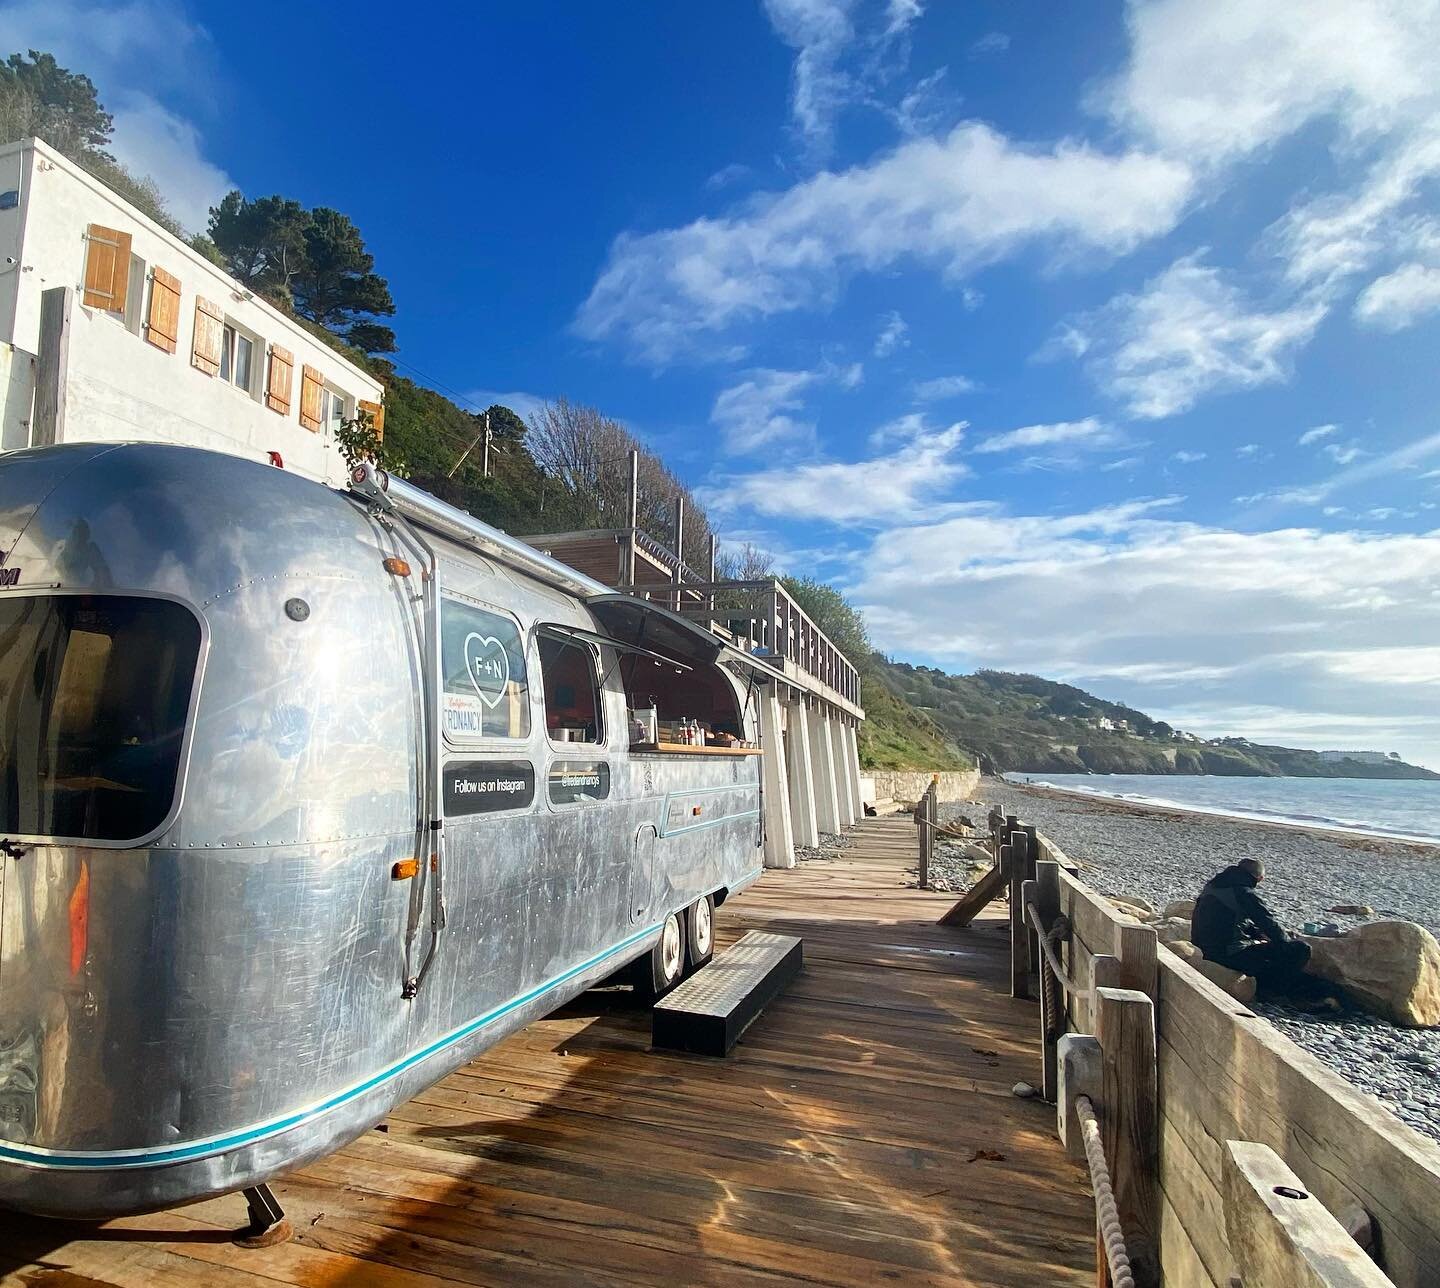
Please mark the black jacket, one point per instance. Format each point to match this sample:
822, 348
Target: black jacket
1229, 914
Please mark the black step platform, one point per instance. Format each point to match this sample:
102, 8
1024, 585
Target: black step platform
710, 1010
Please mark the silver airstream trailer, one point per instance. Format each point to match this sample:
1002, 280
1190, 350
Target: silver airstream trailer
308, 797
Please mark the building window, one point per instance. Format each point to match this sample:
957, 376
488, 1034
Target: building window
237, 358
333, 409
573, 711
486, 691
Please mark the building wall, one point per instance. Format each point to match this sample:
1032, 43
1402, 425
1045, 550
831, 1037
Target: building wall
17, 396
121, 387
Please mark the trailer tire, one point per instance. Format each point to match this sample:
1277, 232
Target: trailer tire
660, 969
700, 932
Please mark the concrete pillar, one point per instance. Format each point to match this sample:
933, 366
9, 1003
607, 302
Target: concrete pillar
775, 789
822, 753
842, 777
853, 764
799, 762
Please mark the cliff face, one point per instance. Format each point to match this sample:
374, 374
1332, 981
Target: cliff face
1026, 724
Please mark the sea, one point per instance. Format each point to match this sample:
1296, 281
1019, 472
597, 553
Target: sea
1401, 809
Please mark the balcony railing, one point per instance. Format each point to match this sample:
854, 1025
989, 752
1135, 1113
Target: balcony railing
760, 617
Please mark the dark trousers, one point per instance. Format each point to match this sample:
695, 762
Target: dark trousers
1278, 968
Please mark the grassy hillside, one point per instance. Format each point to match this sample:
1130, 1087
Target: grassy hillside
1032, 725
894, 734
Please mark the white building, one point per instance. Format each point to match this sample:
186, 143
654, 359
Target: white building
1360, 757
113, 329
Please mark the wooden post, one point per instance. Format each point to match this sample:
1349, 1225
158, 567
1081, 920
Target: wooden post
1280, 1235
1052, 995
1019, 927
1138, 951
679, 549
1080, 1075
1032, 855
1130, 1122
52, 365
634, 515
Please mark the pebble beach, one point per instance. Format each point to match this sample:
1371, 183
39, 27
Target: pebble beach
1164, 854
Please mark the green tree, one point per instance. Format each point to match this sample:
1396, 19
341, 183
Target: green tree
39, 97
335, 283
261, 241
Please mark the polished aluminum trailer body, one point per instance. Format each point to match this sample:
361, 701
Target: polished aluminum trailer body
194, 1010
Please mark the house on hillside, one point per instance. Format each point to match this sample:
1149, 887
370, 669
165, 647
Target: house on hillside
113, 329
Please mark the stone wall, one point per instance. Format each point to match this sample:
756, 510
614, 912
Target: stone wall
910, 785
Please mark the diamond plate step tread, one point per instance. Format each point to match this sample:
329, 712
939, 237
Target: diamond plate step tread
709, 1012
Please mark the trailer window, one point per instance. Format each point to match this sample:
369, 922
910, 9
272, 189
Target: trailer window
94, 693
486, 691
572, 691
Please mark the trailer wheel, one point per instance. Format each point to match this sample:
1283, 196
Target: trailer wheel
660, 969
700, 932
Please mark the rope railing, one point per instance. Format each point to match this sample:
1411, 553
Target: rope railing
1057, 934
1107, 1215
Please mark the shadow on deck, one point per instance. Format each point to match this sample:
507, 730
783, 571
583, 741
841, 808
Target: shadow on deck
863, 1131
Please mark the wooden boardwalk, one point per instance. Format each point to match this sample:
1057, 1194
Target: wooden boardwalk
863, 1132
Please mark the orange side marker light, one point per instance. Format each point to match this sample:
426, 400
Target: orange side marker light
397, 566
404, 869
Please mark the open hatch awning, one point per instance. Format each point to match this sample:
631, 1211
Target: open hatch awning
609, 641
641, 626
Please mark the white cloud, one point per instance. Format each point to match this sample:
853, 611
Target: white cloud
726, 175
942, 387
1343, 453
1189, 332
758, 412
1187, 458
819, 31
146, 58
1401, 298
883, 489
1317, 434
894, 334
1164, 613
1087, 433
523, 404
152, 141
1251, 452
1124, 463
1223, 79
954, 203
992, 42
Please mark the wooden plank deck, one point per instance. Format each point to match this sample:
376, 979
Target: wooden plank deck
838, 1144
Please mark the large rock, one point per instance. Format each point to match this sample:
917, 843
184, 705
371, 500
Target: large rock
1240, 987
1389, 967
1169, 929
1132, 905
1180, 908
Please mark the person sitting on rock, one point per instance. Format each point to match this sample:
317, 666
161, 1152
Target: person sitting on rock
1231, 925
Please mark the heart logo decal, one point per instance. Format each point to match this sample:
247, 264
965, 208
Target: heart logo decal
488, 666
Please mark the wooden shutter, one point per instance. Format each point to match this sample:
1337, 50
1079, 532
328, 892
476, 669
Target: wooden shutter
312, 385
209, 337
277, 380
162, 327
376, 412
107, 268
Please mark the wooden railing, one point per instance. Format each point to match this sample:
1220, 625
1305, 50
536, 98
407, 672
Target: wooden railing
762, 618
1233, 1157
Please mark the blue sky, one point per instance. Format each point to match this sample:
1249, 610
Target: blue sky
1098, 340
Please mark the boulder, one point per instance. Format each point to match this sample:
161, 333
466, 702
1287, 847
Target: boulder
1133, 906
1352, 910
1180, 908
1240, 987
1168, 929
1389, 967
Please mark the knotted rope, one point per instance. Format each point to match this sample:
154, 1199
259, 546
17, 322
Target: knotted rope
1106, 1215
